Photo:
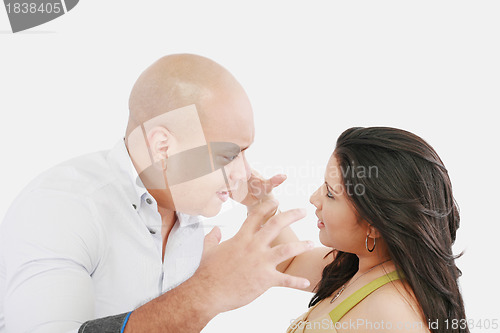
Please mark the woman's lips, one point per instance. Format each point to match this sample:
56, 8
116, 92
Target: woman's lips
320, 224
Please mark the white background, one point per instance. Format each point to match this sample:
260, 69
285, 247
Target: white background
312, 69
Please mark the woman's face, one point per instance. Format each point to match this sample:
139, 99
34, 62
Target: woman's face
339, 226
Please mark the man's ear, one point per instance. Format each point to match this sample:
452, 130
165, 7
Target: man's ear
160, 140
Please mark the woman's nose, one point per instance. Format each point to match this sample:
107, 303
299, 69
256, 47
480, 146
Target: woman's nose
314, 199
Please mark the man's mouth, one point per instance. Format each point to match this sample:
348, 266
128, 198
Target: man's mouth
223, 195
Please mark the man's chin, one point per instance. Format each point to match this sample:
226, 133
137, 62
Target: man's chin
212, 209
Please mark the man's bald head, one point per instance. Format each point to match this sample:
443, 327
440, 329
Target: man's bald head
176, 81
190, 122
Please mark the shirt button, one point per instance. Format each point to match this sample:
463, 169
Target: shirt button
149, 201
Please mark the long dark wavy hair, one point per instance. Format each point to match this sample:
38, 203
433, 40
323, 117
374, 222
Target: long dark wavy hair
411, 204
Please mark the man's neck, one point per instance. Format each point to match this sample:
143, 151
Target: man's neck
168, 218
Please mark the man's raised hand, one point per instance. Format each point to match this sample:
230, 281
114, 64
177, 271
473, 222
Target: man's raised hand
238, 270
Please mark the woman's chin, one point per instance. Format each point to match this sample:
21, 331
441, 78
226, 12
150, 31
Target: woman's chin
324, 239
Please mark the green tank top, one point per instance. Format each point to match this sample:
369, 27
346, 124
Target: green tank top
350, 302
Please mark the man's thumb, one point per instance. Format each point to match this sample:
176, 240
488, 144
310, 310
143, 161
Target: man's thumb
212, 239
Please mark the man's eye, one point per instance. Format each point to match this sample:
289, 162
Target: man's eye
227, 159
232, 158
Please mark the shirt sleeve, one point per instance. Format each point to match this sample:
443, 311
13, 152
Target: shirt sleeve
50, 245
111, 324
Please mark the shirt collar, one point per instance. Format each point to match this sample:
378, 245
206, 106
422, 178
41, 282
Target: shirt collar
134, 188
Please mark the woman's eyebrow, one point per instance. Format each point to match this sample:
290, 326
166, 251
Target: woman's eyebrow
331, 188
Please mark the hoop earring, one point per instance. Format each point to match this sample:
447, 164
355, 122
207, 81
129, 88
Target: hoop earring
374, 243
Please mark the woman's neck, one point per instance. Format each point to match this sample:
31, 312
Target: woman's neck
373, 263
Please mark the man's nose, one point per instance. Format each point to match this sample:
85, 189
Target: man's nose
240, 171
248, 169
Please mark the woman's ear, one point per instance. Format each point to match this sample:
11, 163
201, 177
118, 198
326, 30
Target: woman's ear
373, 232
159, 143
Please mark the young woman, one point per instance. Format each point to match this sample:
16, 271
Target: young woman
387, 209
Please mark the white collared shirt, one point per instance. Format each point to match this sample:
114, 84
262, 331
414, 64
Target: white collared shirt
83, 241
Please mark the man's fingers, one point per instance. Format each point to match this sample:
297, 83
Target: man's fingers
277, 223
260, 187
212, 239
289, 281
274, 181
259, 215
267, 186
277, 180
283, 252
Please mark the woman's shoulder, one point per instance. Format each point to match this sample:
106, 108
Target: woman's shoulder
392, 307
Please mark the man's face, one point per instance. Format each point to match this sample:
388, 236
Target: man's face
204, 195
205, 163
229, 130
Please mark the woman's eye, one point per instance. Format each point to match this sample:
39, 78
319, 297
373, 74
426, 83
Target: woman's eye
328, 193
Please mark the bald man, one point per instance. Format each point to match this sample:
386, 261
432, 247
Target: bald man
113, 241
